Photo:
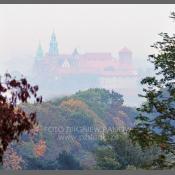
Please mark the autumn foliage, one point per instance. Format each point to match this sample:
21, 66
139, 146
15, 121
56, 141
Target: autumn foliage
13, 120
40, 148
73, 104
11, 160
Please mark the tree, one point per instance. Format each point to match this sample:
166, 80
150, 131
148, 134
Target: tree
100, 100
156, 119
13, 119
66, 161
40, 148
118, 152
11, 160
106, 159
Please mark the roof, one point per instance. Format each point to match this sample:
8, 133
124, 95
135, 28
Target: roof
125, 50
102, 64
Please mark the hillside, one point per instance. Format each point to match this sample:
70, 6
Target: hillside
76, 124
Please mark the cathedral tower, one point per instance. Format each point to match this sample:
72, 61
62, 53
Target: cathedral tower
39, 53
125, 56
53, 49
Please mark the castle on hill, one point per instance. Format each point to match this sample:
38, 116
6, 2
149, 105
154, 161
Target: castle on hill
77, 71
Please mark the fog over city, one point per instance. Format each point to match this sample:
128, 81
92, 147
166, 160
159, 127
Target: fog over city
89, 28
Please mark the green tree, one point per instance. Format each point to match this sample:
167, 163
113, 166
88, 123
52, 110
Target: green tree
100, 100
67, 161
106, 159
118, 152
64, 161
156, 119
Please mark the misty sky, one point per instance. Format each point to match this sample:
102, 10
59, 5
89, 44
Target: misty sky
91, 28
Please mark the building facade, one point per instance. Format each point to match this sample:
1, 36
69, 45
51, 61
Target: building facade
82, 71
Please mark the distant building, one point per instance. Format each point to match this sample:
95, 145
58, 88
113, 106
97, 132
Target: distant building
98, 69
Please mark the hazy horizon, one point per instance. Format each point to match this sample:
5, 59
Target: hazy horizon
90, 28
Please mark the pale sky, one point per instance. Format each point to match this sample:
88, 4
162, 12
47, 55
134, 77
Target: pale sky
91, 28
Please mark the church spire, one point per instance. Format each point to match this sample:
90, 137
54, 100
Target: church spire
75, 54
39, 52
53, 49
